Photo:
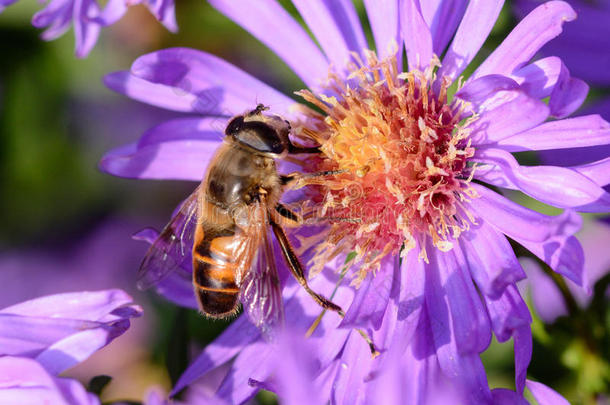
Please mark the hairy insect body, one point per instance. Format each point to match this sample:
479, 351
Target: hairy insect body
226, 221
236, 177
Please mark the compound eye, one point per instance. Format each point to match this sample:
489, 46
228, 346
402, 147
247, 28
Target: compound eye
234, 126
259, 136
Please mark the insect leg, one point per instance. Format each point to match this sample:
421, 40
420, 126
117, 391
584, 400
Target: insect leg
297, 180
288, 217
297, 269
293, 149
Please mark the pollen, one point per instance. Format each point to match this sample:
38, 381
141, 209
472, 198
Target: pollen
400, 151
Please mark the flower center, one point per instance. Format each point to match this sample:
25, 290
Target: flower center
402, 151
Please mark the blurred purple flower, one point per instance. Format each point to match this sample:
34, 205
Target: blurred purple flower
60, 331
546, 297
24, 381
433, 309
87, 18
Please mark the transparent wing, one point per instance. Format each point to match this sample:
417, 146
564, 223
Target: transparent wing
171, 250
261, 291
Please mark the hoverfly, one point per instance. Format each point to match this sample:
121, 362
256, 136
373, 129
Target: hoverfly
225, 225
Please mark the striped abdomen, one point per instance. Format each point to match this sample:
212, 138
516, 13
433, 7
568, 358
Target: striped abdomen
214, 271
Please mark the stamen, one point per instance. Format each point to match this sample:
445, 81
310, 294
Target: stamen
402, 149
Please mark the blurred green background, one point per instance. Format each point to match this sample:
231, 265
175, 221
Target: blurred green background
56, 121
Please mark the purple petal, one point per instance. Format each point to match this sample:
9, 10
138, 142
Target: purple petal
589, 130
6, 3
545, 395
295, 368
535, 30
598, 171
178, 160
415, 34
265, 19
478, 20
567, 95
443, 18
165, 12
463, 375
25, 382
348, 386
57, 16
479, 91
503, 396
253, 362
519, 222
546, 297
159, 95
406, 303
491, 260
510, 317
64, 329
539, 78
456, 312
549, 238
522, 339
336, 26
113, 12
578, 46
371, 299
565, 256
506, 113
85, 30
232, 341
557, 186
383, 18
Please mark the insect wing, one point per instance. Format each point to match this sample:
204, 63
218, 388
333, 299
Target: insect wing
260, 288
171, 250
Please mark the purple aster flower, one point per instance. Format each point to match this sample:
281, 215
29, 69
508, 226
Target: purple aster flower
433, 274
60, 331
87, 18
26, 382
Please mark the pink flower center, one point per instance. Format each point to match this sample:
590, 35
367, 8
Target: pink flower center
403, 152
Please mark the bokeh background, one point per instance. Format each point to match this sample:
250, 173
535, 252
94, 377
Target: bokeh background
65, 226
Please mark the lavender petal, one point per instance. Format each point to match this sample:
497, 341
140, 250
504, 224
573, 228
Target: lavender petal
64, 329
478, 20
25, 382
415, 34
336, 26
443, 18
371, 299
218, 88
264, 20
232, 341
456, 312
557, 186
86, 32
535, 30
510, 112
177, 160
545, 395
491, 260
383, 18
598, 171
588, 130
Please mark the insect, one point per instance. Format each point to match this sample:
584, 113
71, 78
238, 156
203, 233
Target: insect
225, 224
